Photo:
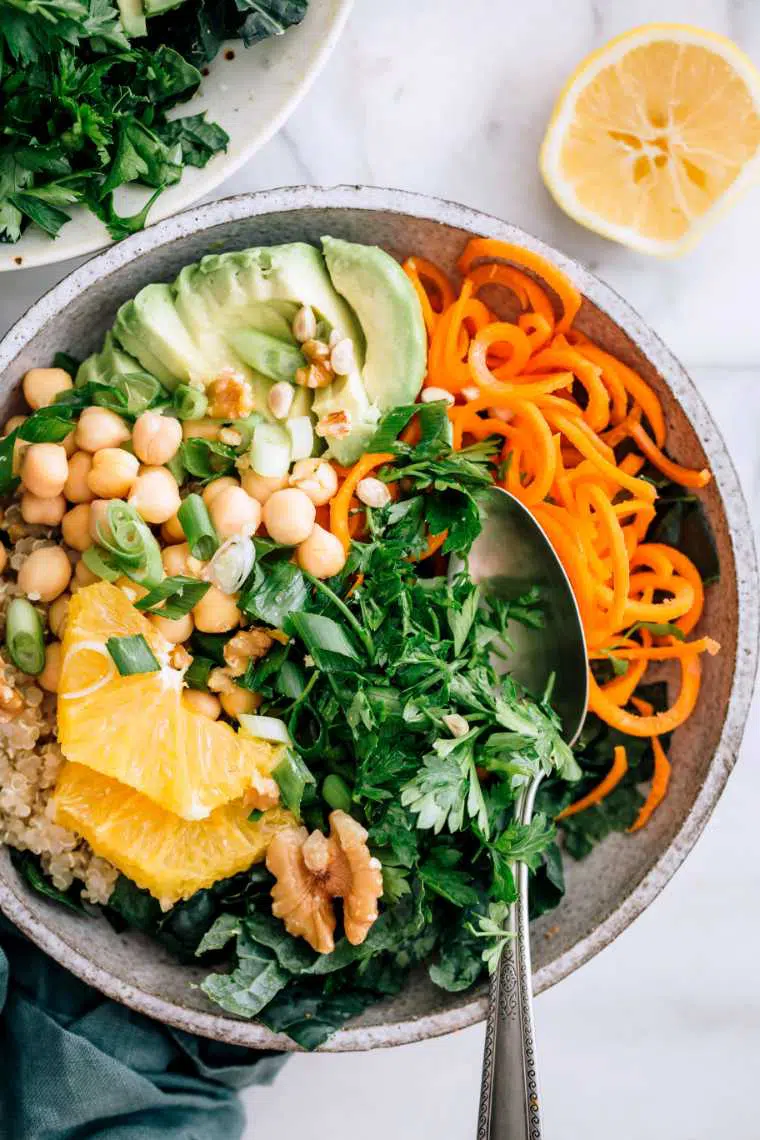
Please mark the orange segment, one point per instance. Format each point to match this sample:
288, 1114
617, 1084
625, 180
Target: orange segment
652, 134
136, 728
169, 856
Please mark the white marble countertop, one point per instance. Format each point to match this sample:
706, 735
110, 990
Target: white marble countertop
660, 1035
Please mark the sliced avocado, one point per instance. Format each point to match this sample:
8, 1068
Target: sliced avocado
150, 328
274, 358
156, 7
132, 15
382, 296
106, 366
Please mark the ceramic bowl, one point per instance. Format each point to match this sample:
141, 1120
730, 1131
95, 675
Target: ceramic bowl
251, 92
606, 891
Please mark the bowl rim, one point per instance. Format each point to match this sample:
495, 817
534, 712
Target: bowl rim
423, 207
207, 180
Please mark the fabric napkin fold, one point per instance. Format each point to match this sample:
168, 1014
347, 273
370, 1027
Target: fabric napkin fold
75, 1065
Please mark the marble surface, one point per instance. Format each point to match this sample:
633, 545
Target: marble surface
660, 1035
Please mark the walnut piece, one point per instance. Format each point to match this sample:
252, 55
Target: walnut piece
11, 701
230, 397
312, 870
248, 645
335, 425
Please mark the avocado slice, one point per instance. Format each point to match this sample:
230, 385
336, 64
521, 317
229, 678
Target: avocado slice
106, 366
132, 15
384, 300
150, 328
381, 295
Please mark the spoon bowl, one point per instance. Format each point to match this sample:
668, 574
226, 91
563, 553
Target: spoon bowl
510, 557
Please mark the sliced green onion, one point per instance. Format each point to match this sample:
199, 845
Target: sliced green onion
292, 776
336, 793
270, 450
272, 357
231, 565
174, 597
246, 428
96, 564
131, 544
301, 434
269, 728
196, 674
132, 655
24, 638
198, 527
327, 642
290, 680
188, 403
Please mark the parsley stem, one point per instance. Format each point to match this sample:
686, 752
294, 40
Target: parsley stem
339, 604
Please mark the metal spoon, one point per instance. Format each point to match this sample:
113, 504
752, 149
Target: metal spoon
511, 554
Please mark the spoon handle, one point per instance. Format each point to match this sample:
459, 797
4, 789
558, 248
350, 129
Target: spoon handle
509, 1099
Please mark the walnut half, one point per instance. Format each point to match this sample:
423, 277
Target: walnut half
312, 870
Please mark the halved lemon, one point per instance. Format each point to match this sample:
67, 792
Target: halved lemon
171, 857
654, 135
137, 729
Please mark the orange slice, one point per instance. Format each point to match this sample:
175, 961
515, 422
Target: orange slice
169, 856
136, 729
654, 135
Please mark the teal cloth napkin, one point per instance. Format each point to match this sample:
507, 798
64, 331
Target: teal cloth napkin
76, 1066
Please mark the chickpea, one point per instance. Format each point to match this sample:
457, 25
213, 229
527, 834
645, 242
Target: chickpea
172, 531
322, 554
289, 516
42, 512
174, 630
178, 560
3, 558
216, 612
42, 385
58, 615
240, 701
204, 704
211, 490
155, 495
234, 512
20, 446
156, 438
260, 487
76, 527
83, 576
45, 574
99, 518
200, 429
113, 473
13, 423
316, 478
50, 677
76, 488
45, 469
99, 428
69, 443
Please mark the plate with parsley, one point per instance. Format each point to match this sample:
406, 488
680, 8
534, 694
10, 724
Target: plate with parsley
259, 748
117, 113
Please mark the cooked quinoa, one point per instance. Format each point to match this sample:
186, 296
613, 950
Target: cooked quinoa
30, 758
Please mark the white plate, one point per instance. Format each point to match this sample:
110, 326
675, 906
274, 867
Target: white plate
251, 95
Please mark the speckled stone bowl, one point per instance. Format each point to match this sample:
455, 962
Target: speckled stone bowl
622, 876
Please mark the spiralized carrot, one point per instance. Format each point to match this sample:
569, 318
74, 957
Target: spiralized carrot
603, 788
660, 777
577, 427
493, 250
340, 505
